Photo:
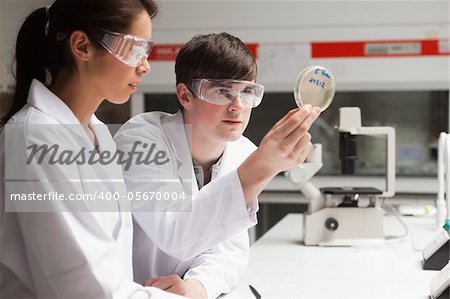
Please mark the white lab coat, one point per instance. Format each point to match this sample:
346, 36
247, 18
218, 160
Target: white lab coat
187, 244
65, 254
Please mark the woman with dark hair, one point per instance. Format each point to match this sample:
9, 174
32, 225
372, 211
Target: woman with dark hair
57, 239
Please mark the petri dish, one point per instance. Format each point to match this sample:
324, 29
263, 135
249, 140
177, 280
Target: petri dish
314, 86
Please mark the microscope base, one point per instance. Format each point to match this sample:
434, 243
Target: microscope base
349, 226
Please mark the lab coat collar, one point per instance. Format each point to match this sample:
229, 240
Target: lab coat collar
173, 125
229, 159
43, 99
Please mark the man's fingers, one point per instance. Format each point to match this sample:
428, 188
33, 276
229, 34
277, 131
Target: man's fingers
151, 281
176, 289
285, 117
302, 148
301, 129
293, 121
163, 284
302, 118
167, 282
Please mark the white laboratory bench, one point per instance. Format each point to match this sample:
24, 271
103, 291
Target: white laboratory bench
281, 267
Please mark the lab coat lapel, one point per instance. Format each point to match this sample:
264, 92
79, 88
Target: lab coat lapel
112, 172
234, 154
181, 149
228, 161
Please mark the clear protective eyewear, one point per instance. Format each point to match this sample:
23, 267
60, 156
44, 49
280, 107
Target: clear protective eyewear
131, 50
225, 91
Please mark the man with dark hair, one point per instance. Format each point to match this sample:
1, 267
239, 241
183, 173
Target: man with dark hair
203, 252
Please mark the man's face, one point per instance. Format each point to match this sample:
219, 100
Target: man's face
221, 123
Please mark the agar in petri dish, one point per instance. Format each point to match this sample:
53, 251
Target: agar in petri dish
314, 86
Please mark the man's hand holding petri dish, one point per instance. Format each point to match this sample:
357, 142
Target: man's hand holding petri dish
288, 143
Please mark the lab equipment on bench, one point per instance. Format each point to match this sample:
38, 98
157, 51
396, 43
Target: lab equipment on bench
446, 178
441, 209
334, 216
440, 284
437, 253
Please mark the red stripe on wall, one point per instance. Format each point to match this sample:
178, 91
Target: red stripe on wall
382, 48
253, 47
168, 52
164, 52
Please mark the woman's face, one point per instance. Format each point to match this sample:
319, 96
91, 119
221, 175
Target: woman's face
114, 80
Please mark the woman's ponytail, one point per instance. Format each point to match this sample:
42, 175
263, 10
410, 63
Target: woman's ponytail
30, 58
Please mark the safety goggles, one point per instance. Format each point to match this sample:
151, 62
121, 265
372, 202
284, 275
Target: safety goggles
131, 50
225, 91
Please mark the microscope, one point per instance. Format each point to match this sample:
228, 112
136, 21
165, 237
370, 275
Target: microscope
335, 216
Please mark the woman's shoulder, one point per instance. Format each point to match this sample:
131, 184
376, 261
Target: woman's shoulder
29, 115
144, 124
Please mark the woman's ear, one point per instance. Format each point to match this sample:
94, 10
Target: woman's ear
80, 45
184, 96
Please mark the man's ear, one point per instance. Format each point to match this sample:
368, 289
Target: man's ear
184, 96
80, 45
